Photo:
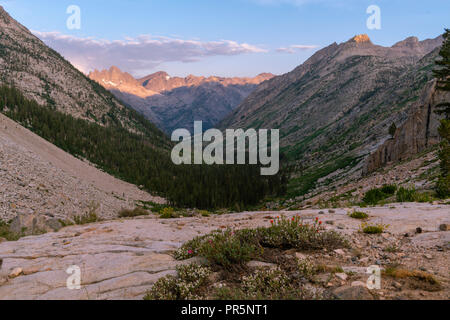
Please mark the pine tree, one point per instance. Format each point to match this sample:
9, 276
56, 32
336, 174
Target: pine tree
392, 129
442, 74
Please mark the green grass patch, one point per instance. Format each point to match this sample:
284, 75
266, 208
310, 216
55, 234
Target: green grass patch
5, 232
375, 195
136, 212
226, 250
168, 213
406, 194
373, 229
152, 206
359, 215
86, 218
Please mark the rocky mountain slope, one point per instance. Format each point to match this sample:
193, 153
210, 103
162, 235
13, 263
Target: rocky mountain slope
40, 179
41, 74
336, 108
175, 102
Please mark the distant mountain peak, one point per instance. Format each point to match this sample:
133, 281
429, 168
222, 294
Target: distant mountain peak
408, 42
115, 69
266, 74
360, 38
116, 79
159, 74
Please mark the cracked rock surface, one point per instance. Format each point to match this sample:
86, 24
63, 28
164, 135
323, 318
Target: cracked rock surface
122, 259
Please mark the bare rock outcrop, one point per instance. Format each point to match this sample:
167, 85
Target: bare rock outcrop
123, 259
30, 224
417, 133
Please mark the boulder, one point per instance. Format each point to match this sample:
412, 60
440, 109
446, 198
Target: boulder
30, 224
15, 272
322, 278
341, 276
300, 256
339, 252
352, 293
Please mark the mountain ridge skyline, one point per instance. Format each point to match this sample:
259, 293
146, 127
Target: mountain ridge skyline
174, 102
149, 82
182, 48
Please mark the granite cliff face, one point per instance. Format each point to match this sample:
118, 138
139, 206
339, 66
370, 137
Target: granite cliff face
175, 102
417, 134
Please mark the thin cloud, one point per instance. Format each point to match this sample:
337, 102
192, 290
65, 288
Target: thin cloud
138, 54
296, 47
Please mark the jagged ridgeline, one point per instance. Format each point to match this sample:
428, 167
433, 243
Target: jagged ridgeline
134, 158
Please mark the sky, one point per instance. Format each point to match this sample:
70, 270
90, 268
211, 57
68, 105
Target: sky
217, 37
